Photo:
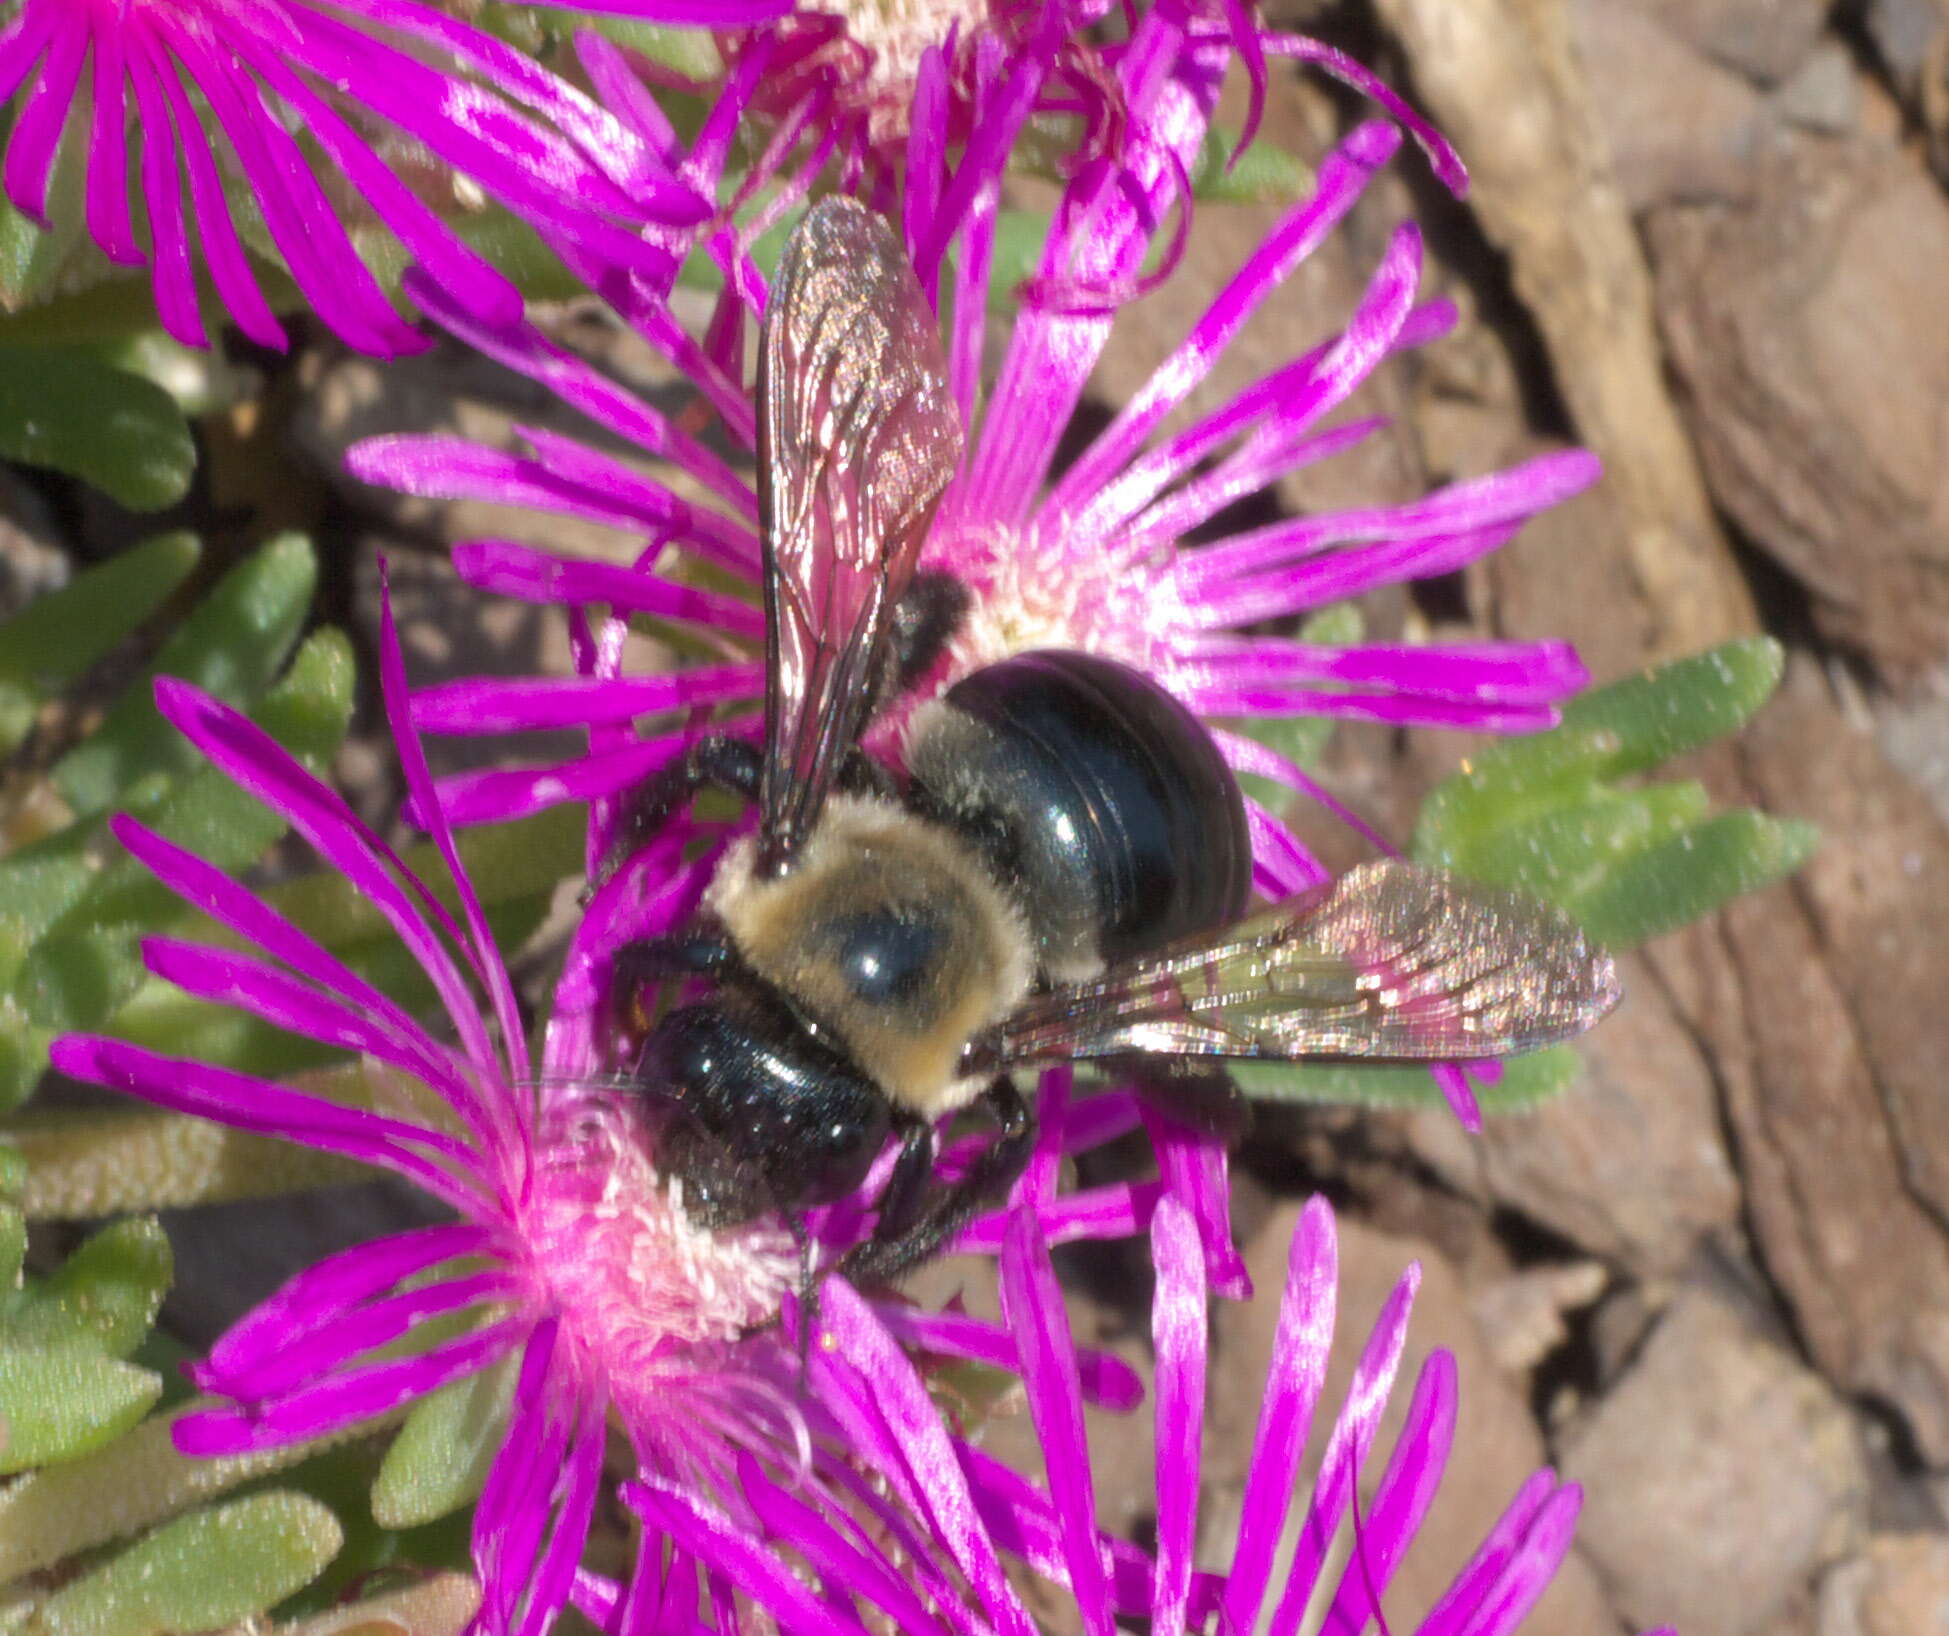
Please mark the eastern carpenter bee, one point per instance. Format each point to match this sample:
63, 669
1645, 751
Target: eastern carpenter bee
1063, 876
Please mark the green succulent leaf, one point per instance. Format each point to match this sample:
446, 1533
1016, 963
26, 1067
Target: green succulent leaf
205, 1571
1525, 1082
54, 641
440, 1459
13, 1217
61, 1402
1545, 814
105, 1295
233, 644
69, 936
65, 409
1263, 174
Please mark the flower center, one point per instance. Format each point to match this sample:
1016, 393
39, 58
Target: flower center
1032, 589
897, 32
631, 1274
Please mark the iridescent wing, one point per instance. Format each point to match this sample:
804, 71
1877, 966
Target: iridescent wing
857, 438
1391, 962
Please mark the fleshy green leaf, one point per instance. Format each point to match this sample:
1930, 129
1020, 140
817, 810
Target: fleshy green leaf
53, 641
67, 410
57, 1403
1264, 174
68, 941
441, 1456
13, 1219
205, 1571
1684, 877
232, 645
105, 1295
1544, 814
1526, 1081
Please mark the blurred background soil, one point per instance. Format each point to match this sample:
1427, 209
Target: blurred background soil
1710, 240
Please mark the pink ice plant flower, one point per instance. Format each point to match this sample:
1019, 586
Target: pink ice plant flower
1093, 556
786, 1555
568, 1259
277, 91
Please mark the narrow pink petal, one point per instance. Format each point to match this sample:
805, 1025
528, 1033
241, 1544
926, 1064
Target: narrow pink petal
1346, 1451
1297, 1372
1446, 161
345, 1400
441, 1165
327, 1288
835, 1558
22, 40
472, 279
579, 1487
743, 1558
108, 154
1453, 1081
208, 889
1023, 1523
162, 191
1450, 1616
1343, 177
331, 1345
926, 158
584, 388
1178, 1332
1248, 755
541, 576
1473, 504
489, 966
38, 125
1114, 1210
911, 1419
230, 271
1340, 575
302, 223
263, 990
1106, 1380
262, 767
511, 1513
484, 704
1393, 709
1194, 1169
1401, 1501
1508, 1602
1033, 1304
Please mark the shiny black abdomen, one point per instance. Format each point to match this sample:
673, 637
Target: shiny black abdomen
1099, 799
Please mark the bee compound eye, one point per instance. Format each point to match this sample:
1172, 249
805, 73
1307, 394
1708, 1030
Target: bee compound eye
886, 956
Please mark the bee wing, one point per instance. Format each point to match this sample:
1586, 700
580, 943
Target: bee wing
1391, 962
858, 436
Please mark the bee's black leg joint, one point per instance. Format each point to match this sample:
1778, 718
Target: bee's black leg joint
883, 1256
905, 1194
728, 763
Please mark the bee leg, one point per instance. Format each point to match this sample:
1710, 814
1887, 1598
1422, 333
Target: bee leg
993, 1172
905, 1193
649, 961
728, 763
863, 775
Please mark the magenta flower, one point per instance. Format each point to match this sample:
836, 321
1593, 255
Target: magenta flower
891, 1577
567, 1251
1091, 557
260, 71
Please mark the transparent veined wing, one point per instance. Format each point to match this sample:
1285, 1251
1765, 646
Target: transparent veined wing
1392, 962
858, 437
